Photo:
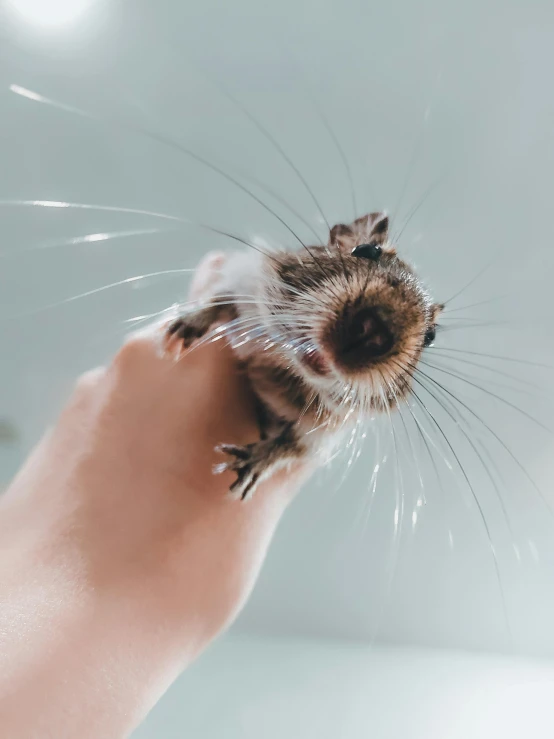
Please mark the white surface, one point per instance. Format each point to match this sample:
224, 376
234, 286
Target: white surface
254, 689
51, 13
413, 90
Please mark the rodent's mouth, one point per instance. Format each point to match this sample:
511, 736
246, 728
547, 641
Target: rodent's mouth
315, 361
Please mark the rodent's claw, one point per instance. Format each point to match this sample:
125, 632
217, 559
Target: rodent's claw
247, 466
241, 452
219, 469
244, 486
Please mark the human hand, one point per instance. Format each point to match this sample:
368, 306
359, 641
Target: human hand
120, 497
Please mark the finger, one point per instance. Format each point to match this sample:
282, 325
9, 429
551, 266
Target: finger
154, 336
85, 392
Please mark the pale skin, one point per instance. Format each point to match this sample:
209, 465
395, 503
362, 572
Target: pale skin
122, 556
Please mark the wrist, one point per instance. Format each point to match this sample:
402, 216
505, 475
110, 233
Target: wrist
90, 659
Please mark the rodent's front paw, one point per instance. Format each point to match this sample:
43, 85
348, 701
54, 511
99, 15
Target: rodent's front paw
185, 331
192, 325
249, 462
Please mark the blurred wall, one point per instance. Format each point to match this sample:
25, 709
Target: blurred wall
270, 689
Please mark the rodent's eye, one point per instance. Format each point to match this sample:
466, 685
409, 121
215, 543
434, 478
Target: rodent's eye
368, 251
430, 336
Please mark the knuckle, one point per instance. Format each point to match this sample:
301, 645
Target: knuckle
132, 351
89, 380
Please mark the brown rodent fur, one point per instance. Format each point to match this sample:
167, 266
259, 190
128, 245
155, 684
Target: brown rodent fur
328, 335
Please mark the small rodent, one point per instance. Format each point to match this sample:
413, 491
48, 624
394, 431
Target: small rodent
327, 335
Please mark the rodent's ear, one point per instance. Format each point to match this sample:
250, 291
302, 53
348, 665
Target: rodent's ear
374, 227
369, 229
342, 236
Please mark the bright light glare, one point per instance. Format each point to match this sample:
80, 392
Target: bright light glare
50, 12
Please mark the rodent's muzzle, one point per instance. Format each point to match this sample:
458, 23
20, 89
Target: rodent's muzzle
361, 337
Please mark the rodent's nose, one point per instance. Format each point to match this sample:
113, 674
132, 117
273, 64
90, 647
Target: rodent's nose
366, 336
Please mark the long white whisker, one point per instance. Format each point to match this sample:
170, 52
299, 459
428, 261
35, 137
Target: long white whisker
89, 206
97, 290
91, 238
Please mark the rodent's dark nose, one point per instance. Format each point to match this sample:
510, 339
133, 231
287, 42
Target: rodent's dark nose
365, 336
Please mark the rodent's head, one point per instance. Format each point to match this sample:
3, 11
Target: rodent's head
351, 317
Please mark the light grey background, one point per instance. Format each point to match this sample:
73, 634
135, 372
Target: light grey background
247, 688
418, 93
